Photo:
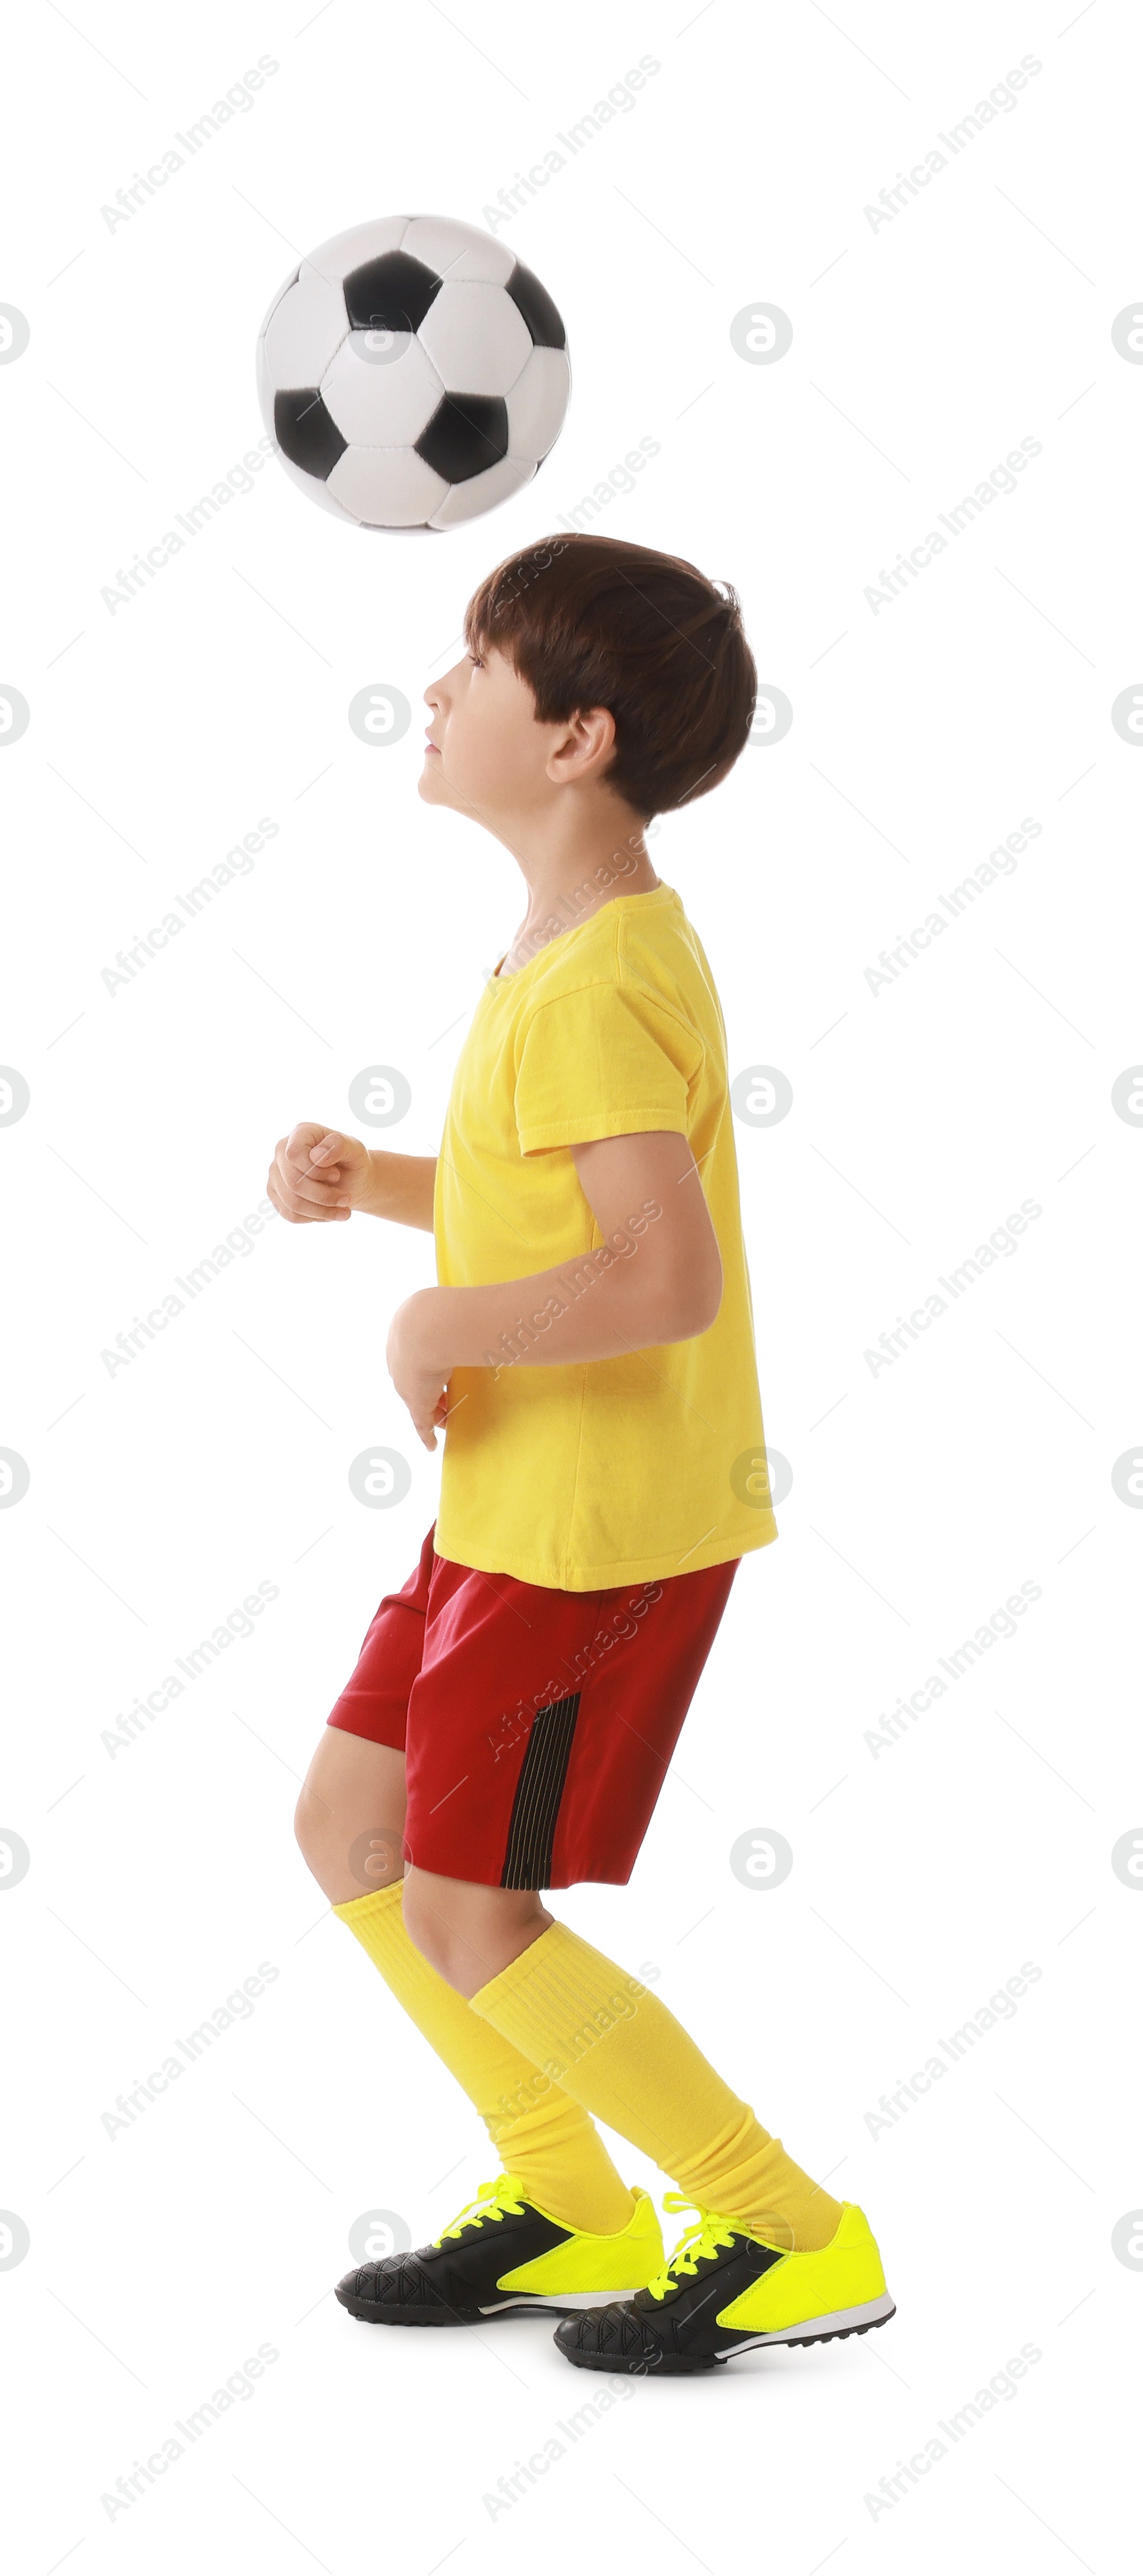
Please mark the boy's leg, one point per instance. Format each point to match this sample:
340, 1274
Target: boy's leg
617, 2050
350, 1817
349, 1825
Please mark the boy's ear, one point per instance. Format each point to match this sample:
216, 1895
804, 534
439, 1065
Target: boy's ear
585, 747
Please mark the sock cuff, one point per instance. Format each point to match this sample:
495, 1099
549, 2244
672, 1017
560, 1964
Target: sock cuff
361, 1909
558, 1989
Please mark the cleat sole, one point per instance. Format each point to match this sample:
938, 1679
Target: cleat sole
826, 2329
671, 2366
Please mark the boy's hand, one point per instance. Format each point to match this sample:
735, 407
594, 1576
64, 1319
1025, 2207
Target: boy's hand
319, 1176
420, 1380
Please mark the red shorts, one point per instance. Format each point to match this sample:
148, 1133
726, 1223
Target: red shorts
537, 1725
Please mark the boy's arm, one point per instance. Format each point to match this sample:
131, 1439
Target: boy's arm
319, 1175
656, 1278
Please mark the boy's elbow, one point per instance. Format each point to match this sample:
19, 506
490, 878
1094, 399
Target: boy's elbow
705, 1310
707, 1285
689, 1307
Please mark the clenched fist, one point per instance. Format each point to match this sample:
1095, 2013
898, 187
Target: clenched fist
319, 1176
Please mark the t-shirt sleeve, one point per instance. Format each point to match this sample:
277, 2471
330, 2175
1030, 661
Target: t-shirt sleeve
603, 1061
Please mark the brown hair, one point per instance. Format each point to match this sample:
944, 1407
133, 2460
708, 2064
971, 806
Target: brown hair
594, 622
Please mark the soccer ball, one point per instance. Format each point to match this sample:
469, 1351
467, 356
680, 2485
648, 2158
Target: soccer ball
412, 373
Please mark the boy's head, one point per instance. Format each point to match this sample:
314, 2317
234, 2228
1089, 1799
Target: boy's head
591, 662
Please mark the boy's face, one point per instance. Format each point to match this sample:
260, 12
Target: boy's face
486, 752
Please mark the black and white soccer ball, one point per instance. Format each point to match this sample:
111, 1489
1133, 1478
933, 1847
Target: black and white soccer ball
412, 373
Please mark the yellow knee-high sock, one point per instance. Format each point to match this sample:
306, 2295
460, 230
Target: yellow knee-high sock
614, 2047
539, 2132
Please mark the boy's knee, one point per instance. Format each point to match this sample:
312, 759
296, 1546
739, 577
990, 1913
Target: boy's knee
311, 1825
346, 1859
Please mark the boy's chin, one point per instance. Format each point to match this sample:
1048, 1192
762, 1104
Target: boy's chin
434, 788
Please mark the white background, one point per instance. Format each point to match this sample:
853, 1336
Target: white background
924, 1874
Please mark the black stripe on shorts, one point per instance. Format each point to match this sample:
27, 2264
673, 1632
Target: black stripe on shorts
536, 1805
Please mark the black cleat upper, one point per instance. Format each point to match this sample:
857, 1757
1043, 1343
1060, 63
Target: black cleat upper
454, 2282
678, 2331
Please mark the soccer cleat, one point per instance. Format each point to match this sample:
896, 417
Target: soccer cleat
504, 2257
724, 2291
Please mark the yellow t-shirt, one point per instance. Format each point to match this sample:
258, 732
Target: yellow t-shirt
612, 1470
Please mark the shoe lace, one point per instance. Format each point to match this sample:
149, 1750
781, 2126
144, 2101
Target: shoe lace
493, 2201
705, 2236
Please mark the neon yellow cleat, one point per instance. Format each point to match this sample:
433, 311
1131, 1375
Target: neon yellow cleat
505, 2257
724, 2291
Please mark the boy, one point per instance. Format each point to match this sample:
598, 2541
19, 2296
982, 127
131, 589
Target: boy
589, 1352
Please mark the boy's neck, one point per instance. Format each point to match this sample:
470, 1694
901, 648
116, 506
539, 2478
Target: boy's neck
571, 867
